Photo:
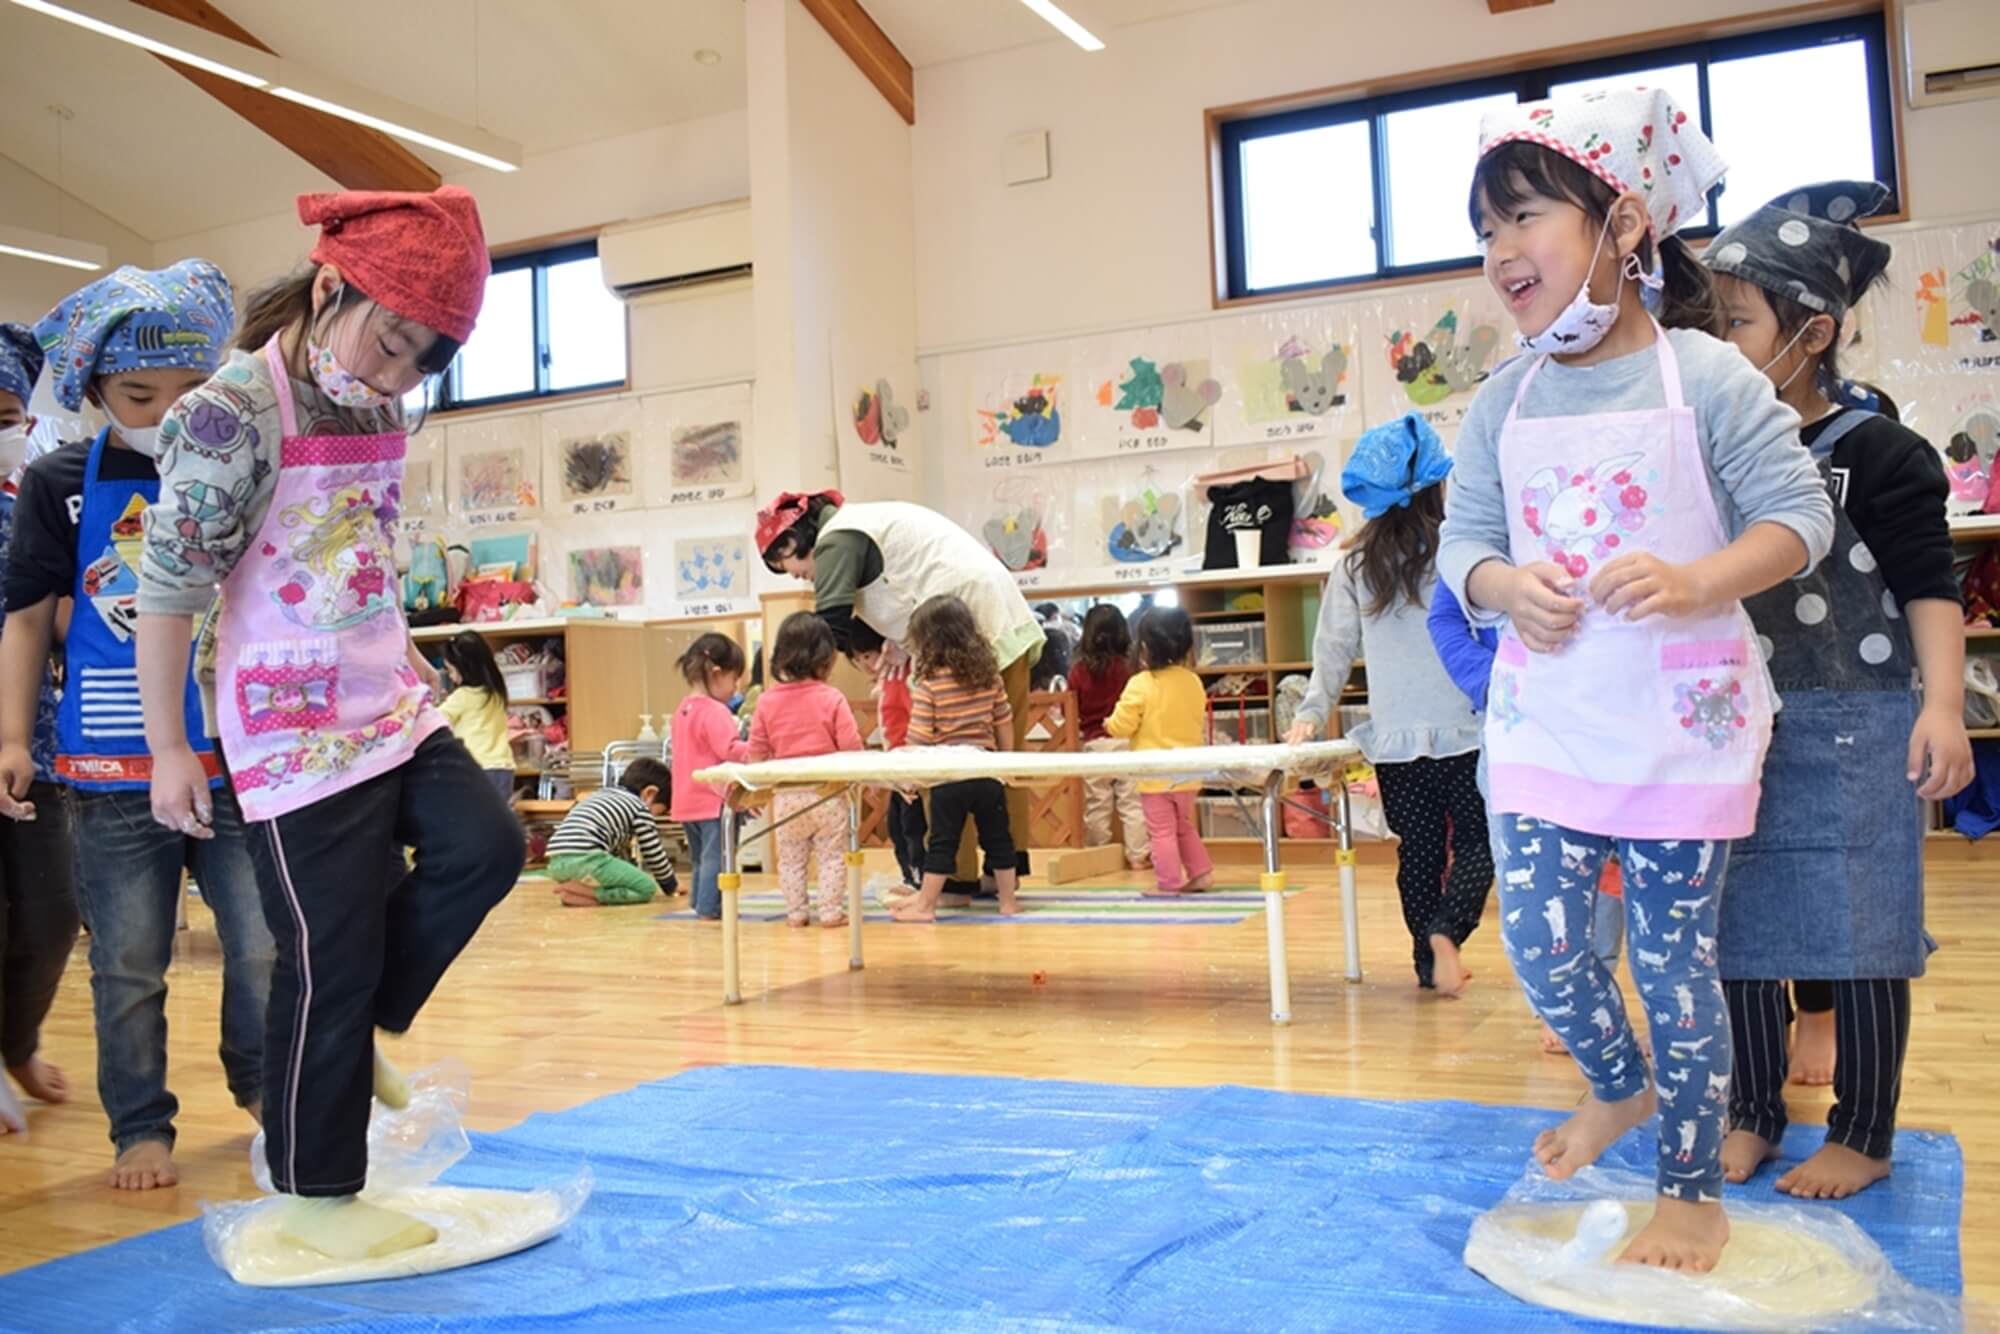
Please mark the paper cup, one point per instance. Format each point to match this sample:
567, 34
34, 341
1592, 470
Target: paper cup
1249, 548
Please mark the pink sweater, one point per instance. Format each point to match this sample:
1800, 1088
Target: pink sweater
798, 718
704, 734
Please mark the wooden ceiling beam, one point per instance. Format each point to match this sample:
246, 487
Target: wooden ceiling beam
871, 51
354, 155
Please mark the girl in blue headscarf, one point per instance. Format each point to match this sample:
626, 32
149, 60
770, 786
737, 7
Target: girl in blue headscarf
130, 344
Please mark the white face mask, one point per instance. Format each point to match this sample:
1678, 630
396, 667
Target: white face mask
13, 450
1779, 356
1583, 322
141, 439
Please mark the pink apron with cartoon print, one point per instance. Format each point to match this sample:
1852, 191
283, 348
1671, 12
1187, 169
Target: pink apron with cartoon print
1654, 729
314, 691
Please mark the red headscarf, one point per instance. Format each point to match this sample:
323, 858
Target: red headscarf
422, 256
787, 510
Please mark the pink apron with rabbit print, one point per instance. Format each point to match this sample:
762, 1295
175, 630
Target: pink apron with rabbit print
1654, 729
314, 691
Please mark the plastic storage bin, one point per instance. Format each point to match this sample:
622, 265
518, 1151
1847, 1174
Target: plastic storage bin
1220, 817
1229, 725
1228, 643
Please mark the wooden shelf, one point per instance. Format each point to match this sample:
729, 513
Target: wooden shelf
1974, 527
534, 701
1251, 668
1239, 614
1982, 632
537, 626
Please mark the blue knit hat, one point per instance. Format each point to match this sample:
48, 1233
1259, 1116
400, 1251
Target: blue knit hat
20, 361
1391, 463
177, 318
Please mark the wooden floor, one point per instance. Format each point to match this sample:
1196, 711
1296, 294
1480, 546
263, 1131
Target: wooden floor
552, 1007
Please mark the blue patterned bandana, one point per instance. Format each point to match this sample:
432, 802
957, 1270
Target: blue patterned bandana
20, 361
1391, 463
177, 318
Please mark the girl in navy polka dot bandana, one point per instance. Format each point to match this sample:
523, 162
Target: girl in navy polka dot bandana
1829, 890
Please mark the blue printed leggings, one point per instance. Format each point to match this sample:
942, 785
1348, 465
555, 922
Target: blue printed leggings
1672, 890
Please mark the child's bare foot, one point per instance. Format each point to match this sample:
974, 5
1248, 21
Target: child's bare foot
39, 1079
1812, 1048
13, 1117
348, 1228
1008, 886
840, 920
1201, 883
1834, 1173
1448, 971
1744, 1153
1552, 1043
1681, 1235
798, 919
575, 895
1596, 1126
912, 910
1138, 863
147, 1165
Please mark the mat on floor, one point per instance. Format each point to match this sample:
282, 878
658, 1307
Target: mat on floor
754, 1197
1066, 905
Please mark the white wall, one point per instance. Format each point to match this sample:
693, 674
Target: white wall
1120, 234
28, 290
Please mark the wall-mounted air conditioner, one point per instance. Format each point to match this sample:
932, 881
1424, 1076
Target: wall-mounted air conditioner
701, 245
1951, 50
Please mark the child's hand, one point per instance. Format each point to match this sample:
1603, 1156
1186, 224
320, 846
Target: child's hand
1541, 607
17, 771
1302, 731
180, 794
1641, 584
1939, 739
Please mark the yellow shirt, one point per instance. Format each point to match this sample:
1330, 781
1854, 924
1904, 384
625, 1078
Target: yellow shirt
1161, 710
480, 721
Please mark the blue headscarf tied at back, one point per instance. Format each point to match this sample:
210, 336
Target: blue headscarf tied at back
20, 361
1391, 463
177, 318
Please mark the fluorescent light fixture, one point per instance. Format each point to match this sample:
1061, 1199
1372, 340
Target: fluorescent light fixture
123, 21
1060, 21
24, 244
308, 88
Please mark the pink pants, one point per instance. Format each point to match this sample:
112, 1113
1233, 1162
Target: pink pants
818, 838
1178, 855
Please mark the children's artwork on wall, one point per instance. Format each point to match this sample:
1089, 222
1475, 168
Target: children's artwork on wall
1020, 415
592, 457
1292, 376
1960, 415
1431, 350
697, 445
1148, 392
1144, 526
1021, 515
710, 573
495, 469
607, 576
874, 418
1316, 521
1948, 280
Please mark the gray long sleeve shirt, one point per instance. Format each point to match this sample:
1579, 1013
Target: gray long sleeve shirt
1757, 469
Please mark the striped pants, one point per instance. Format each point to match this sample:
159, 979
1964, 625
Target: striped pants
1872, 1034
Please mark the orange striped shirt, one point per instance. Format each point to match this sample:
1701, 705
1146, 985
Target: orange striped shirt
945, 713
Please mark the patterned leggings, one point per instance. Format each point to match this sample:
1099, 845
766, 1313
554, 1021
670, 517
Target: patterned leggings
818, 838
1548, 882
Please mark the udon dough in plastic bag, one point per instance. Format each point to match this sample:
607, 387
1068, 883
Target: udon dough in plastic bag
408, 1149
1556, 1244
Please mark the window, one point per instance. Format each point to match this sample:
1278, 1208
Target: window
1375, 188
548, 326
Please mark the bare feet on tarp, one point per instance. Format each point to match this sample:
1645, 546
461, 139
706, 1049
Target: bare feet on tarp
1595, 1127
1834, 1173
1744, 1153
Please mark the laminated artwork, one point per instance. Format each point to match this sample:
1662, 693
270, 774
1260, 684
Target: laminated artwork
697, 445
1290, 375
1017, 523
1946, 281
1147, 392
1147, 523
590, 458
1430, 350
874, 420
494, 469
1959, 413
1020, 414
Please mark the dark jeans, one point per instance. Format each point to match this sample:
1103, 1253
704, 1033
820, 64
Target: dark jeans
985, 801
128, 883
362, 942
503, 782
37, 918
705, 853
907, 835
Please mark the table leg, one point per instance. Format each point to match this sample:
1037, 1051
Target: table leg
1350, 915
853, 878
1273, 884
729, 881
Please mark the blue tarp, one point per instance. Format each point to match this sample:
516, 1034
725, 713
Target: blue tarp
751, 1197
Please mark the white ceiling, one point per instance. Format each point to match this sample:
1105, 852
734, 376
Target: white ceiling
929, 32
156, 154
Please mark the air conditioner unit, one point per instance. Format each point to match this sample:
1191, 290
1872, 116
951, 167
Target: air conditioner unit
701, 245
1951, 50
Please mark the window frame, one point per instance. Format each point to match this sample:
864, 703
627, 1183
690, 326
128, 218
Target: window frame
540, 257
1230, 127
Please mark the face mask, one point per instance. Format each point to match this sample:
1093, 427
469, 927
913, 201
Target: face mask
1583, 323
345, 388
13, 450
140, 439
1765, 369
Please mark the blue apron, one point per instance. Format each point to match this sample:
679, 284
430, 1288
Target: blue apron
100, 729
1831, 885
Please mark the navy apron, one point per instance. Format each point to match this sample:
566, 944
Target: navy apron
100, 730
1830, 887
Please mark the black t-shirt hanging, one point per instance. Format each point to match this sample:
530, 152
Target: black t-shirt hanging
1262, 505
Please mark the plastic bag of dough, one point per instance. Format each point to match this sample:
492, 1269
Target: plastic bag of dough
1786, 1267
408, 1149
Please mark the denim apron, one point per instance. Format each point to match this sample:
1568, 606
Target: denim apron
1830, 886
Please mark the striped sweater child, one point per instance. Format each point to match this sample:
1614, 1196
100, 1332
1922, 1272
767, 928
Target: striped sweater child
592, 845
945, 713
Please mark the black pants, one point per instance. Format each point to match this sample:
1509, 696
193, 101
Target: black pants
1812, 997
1871, 1020
1444, 863
907, 830
362, 941
37, 917
983, 799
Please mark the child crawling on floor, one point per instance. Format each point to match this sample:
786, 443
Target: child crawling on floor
588, 853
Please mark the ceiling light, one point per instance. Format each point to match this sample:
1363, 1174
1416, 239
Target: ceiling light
397, 120
183, 42
1060, 21
24, 244
707, 57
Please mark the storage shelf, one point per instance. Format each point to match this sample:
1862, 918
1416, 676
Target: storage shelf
535, 625
1251, 668
533, 701
1972, 527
